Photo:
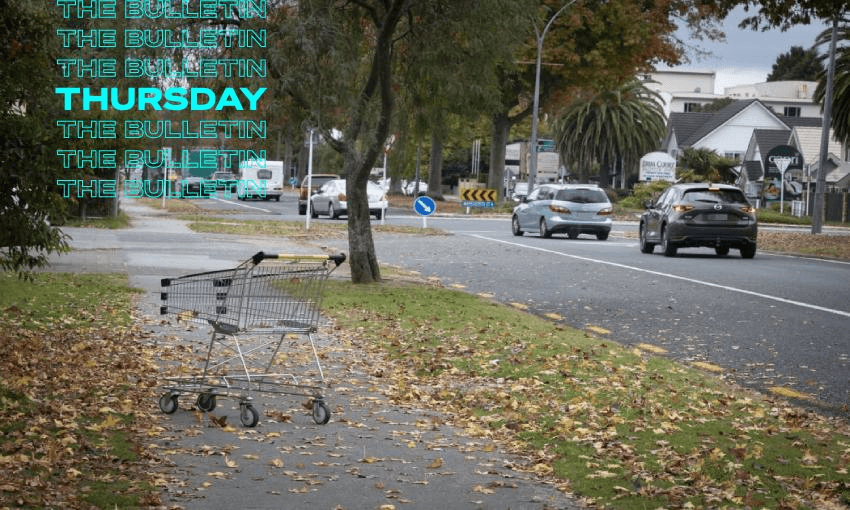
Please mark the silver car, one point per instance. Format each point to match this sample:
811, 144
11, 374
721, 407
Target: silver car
331, 200
572, 209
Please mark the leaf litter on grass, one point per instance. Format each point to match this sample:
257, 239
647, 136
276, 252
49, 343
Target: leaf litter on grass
617, 425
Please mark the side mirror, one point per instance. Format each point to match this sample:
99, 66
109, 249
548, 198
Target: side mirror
649, 204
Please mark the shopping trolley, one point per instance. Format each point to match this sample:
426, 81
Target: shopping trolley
269, 297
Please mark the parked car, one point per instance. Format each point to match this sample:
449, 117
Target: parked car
225, 180
691, 215
573, 209
520, 191
331, 199
264, 182
316, 182
410, 188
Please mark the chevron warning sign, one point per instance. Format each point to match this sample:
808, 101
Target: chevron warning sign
477, 197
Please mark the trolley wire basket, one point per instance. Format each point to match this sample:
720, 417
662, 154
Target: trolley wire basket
252, 309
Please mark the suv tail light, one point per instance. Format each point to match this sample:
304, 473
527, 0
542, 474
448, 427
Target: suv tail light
682, 208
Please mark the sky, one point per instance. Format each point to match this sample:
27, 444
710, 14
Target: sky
747, 56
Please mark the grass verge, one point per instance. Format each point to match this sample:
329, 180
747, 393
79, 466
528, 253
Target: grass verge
113, 223
212, 224
75, 387
617, 425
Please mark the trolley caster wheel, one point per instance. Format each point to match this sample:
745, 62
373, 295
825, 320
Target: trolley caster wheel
321, 413
206, 402
249, 415
168, 403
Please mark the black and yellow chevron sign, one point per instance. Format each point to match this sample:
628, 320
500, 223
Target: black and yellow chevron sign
478, 195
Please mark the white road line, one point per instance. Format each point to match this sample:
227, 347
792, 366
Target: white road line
673, 276
242, 205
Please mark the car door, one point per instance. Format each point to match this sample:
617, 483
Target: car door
655, 213
526, 212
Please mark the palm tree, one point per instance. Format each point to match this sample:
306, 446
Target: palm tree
841, 84
612, 127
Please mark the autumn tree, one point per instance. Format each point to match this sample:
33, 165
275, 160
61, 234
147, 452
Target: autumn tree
593, 45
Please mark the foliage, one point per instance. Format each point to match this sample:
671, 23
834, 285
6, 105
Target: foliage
696, 165
841, 85
797, 64
617, 125
715, 105
643, 192
28, 165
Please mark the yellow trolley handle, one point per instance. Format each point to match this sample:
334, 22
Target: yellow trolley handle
260, 256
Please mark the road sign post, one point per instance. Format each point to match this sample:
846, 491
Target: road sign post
424, 206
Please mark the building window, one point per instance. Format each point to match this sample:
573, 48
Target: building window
792, 111
732, 155
691, 107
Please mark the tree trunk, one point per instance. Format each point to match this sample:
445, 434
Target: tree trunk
361, 247
435, 166
499, 138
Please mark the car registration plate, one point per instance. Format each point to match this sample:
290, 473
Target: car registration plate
717, 217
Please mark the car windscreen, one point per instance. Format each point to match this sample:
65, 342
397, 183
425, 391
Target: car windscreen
714, 196
582, 196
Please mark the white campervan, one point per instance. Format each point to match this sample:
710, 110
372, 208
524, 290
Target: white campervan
259, 181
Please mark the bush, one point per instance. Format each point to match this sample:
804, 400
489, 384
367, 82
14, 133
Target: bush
643, 192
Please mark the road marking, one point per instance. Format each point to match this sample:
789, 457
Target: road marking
243, 205
675, 277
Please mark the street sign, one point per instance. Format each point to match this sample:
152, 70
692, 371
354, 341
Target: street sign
424, 206
478, 197
545, 146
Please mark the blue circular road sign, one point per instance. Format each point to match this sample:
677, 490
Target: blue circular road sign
424, 206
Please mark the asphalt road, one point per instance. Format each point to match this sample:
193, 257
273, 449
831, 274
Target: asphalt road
774, 321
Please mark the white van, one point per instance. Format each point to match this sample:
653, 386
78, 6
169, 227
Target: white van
258, 181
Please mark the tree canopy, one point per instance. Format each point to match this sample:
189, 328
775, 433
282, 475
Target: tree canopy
797, 64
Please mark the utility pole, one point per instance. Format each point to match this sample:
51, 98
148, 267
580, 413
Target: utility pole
532, 167
817, 212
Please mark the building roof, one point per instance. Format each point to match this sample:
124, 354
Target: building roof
692, 127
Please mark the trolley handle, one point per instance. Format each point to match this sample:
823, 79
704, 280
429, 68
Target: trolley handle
260, 256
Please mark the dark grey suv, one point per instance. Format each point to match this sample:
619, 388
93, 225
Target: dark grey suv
692, 215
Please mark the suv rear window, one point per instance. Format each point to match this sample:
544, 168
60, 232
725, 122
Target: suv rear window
264, 174
582, 196
723, 196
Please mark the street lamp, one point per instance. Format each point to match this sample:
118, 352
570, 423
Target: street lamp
532, 167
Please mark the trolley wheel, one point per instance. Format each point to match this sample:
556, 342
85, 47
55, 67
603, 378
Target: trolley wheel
168, 403
206, 402
249, 415
321, 413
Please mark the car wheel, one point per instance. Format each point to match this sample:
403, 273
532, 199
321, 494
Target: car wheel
667, 247
302, 210
313, 213
645, 246
379, 214
748, 251
544, 229
515, 228
332, 214
602, 236
721, 250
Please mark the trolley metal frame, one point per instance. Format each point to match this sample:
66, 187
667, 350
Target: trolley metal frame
271, 296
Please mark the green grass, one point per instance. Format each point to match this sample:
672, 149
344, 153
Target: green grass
48, 300
117, 222
616, 424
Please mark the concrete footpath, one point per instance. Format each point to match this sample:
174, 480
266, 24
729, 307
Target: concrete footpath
371, 455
